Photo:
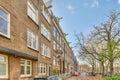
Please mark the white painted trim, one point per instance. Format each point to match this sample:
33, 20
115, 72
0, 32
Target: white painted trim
8, 27
6, 76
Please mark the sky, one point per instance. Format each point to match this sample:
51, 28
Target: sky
81, 15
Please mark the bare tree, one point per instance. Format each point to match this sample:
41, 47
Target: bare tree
104, 42
109, 31
91, 50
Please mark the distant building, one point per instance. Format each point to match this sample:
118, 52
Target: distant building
116, 66
84, 68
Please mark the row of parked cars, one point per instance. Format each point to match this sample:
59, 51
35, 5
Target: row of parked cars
89, 73
55, 77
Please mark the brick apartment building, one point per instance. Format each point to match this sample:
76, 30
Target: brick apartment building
31, 41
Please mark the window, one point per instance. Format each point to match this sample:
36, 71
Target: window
54, 31
4, 23
26, 67
3, 66
54, 45
58, 62
58, 36
58, 46
42, 69
46, 14
54, 60
45, 31
32, 11
45, 50
32, 40
60, 39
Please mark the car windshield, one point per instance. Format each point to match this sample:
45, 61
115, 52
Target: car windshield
54, 78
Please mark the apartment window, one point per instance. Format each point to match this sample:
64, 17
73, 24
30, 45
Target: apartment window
58, 46
57, 62
26, 67
60, 39
42, 69
46, 14
32, 11
45, 31
54, 31
45, 50
54, 60
3, 66
58, 36
4, 23
32, 40
54, 45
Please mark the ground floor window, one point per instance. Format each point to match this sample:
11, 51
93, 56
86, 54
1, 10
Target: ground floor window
42, 69
26, 67
3, 66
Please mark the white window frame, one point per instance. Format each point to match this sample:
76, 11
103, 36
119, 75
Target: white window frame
54, 45
54, 31
8, 23
32, 9
5, 76
45, 31
32, 39
26, 75
45, 50
45, 13
42, 65
54, 60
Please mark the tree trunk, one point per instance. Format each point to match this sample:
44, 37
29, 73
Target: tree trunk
93, 68
111, 67
103, 69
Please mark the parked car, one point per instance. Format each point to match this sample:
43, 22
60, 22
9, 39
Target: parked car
92, 73
55, 77
75, 73
107, 74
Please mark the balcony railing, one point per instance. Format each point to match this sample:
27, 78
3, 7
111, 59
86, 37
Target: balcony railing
59, 52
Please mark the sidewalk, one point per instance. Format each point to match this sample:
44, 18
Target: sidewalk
87, 77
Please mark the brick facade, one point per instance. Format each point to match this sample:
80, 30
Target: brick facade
16, 47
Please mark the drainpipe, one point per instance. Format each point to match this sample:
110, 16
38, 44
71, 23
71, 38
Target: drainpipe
64, 60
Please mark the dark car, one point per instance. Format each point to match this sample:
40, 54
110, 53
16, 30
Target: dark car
92, 74
75, 74
55, 77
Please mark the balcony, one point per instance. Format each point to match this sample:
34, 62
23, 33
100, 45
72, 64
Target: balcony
59, 53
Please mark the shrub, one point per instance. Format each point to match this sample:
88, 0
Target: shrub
112, 78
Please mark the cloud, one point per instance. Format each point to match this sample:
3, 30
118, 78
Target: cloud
118, 1
70, 8
95, 4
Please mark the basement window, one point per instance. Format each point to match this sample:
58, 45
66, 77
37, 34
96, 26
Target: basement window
3, 66
26, 67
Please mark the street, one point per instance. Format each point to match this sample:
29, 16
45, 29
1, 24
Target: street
84, 76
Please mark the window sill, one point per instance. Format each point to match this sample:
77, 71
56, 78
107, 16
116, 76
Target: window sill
3, 78
36, 23
26, 76
45, 37
45, 56
33, 49
46, 19
8, 37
